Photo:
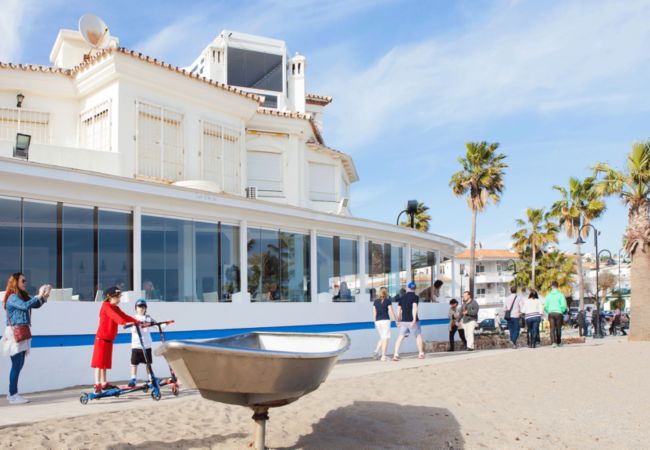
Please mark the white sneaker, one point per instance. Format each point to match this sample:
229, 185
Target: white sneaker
17, 399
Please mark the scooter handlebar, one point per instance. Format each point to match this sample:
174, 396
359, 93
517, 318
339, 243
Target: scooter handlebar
148, 324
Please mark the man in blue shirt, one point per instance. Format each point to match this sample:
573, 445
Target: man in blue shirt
408, 321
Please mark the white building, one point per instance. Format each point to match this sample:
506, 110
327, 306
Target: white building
138, 174
493, 274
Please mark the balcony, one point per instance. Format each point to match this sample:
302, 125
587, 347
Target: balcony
492, 277
69, 157
490, 301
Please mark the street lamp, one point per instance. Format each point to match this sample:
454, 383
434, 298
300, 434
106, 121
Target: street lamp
580, 241
620, 251
411, 210
610, 257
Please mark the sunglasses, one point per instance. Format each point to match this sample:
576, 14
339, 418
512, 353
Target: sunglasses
22, 280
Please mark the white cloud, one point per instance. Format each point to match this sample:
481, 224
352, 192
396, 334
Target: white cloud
272, 18
11, 20
520, 59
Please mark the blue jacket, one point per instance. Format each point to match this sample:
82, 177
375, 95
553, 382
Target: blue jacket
18, 309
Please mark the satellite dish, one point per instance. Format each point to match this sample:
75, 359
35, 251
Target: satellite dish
94, 31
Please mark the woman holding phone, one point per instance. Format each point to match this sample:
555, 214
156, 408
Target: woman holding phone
17, 337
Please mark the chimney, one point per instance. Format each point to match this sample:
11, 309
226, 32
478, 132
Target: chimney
69, 49
296, 77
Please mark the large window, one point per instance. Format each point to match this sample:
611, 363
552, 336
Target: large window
39, 244
115, 249
19, 120
278, 266
258, 70
265, 173
78, 252
95, 127
338, 261
220, 156
10, 236
159, 137
322, 182
184, 260
386, 268
423, 268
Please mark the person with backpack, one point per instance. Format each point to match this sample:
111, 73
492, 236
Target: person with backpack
512, 313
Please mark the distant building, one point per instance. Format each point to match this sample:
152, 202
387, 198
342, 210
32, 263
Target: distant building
493, 274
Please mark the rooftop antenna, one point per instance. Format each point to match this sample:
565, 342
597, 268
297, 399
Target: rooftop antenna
94, 31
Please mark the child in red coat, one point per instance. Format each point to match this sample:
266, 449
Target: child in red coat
110, 316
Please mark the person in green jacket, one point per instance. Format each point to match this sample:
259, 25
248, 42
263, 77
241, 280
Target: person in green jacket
555, 307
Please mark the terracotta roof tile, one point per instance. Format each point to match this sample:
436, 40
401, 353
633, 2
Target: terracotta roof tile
314, 99
107, 51
489, 254
290, 114
34, 68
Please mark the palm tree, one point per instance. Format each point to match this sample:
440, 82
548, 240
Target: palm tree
579, 205
481, 178
633, 186
535, 233
559, 267
421, 217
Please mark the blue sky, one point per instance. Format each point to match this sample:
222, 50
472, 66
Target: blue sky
560, 85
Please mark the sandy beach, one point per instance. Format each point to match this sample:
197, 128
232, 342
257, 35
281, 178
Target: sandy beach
583, 396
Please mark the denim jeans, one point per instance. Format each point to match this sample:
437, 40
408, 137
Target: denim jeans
513, 329
533, 330
555, 320
17, 362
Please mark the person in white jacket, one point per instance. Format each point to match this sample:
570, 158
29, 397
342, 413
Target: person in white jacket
533, 309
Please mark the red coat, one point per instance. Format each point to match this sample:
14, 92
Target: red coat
110, 316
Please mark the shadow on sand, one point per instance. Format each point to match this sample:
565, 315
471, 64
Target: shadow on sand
383, 425
198, 442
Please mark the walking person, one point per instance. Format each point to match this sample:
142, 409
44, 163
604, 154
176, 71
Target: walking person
512, 313
555, 307
582, 323
616, 322
382, 309
470, 318
408, 321
533, 309
17, 336
455, 315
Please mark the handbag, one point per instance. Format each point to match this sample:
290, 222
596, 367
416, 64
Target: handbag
21, 332
506, 316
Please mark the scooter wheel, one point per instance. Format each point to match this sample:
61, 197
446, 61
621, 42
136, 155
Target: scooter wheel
146, 389
83, 399
175, 389
155, 394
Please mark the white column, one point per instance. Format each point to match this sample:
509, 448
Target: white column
363, 281
137, 250
407, 261
243, 296
453, 277
313, 265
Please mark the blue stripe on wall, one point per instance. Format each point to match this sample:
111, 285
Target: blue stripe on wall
75, 340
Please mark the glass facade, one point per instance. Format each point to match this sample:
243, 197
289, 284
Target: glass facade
386, 268
423, 269
39, 244
337, 263
278, 266
185, 260
82, 250
78, 251
10, 236
114, 249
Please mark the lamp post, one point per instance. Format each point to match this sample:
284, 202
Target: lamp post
610, 257
411, 210
620, 251
598, 331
